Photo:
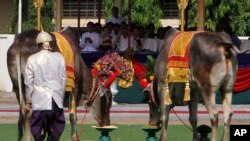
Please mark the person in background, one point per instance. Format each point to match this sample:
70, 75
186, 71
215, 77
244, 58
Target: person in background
98, 28
106, 39
45, 80
114, 34
137, 38
150, 41
115, 19
160, 38
122, 40
90, 40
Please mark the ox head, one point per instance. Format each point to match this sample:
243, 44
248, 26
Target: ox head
100, 100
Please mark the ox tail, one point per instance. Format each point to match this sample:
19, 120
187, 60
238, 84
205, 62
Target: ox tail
21, 99
234, 48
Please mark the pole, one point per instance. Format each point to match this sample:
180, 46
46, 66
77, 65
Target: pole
99, 11
201, 15
38, 4
20, 16
38, 18
182, 4
78, 20
58, 15
129, 22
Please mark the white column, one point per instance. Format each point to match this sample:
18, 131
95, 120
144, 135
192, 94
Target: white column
20, 16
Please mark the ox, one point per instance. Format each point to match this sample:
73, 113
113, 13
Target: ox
212, 67
86, 87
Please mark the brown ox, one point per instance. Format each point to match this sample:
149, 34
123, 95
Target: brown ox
213, 66
23, 46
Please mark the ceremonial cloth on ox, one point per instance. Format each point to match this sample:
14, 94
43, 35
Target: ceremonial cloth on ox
178, 66
68, 55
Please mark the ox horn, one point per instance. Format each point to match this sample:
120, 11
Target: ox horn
234, 48
238, 51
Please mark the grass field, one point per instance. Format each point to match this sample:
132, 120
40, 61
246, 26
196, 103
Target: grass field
122, 133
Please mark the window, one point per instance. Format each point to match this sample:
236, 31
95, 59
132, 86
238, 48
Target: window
170, 9
88, 8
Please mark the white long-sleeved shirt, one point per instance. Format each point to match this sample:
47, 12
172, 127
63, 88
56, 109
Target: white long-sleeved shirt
45, 78
150, 44
87, 46
122, 44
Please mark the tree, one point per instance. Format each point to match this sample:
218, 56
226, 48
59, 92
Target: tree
108, 4
232, 15
29, 18
142, 13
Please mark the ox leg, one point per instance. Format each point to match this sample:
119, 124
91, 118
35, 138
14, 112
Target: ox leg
20, 125
73, 118
153, 115
227, 109
154, 119
209, 101
73, 127
193, 106
164, 112
165, 120
27, 125
23, 120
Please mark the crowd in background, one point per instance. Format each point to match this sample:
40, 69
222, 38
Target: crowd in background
114, 36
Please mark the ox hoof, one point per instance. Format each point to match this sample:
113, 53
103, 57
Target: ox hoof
75, 138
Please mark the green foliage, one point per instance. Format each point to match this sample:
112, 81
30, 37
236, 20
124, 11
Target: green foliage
13, 18
143, 12
150, 63
108, 4
232, 15
29, 17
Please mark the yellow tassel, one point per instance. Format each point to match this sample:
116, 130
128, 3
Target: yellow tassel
187, 92
72, 106
168, 100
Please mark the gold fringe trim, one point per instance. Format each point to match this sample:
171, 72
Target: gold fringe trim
72, 106
177, 75
168, 100
187, 92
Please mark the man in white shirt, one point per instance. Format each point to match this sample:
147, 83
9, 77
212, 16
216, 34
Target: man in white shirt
115, 19
122, 40
90, 40
150, 41
45, 80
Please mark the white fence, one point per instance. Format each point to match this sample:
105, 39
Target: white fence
5, 42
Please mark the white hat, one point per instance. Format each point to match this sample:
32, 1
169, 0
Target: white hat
45, 38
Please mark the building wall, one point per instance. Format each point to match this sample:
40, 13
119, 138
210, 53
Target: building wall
5, 42
6, 7
83, 22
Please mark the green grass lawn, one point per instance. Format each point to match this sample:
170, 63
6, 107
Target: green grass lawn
122, 133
